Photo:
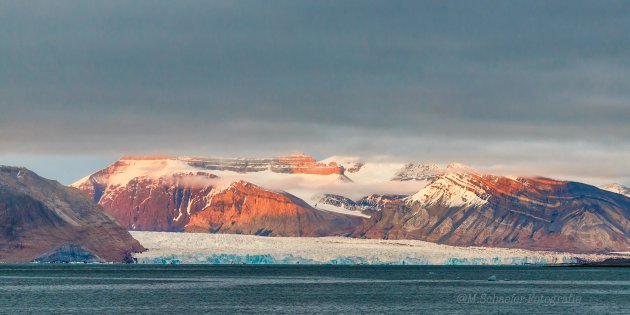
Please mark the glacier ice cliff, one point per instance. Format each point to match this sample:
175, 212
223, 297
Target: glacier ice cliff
192, 248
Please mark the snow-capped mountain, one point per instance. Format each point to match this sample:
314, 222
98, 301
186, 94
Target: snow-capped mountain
43, 220
617, 188
172, 194
133, 187
299, 196
473, 209
451, 190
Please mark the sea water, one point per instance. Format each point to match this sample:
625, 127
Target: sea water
301, 289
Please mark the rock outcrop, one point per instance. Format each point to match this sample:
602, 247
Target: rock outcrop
42, 219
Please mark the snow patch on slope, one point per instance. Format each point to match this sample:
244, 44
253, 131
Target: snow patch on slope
341, 210
127, 170
337, 204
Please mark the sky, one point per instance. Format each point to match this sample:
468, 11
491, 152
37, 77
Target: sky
512, 87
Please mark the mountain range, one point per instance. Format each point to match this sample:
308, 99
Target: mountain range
299, 196
484, 210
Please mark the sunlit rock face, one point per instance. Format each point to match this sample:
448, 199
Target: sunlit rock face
292, 164
161, 193
42, 218
169, 194
302, 164
150, 193
244, 208
471, 209
162, 204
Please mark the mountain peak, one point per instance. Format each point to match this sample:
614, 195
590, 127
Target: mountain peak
18, 171
451, 190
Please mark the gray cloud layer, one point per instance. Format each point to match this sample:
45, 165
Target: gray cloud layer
531, 86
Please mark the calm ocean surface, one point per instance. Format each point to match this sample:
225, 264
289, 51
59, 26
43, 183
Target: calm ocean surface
133, 289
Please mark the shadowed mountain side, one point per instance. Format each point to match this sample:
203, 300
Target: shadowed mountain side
39, 217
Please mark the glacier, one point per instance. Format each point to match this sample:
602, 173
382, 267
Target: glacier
201, 248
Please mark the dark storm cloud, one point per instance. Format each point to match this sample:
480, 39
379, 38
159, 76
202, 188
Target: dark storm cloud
487, 82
